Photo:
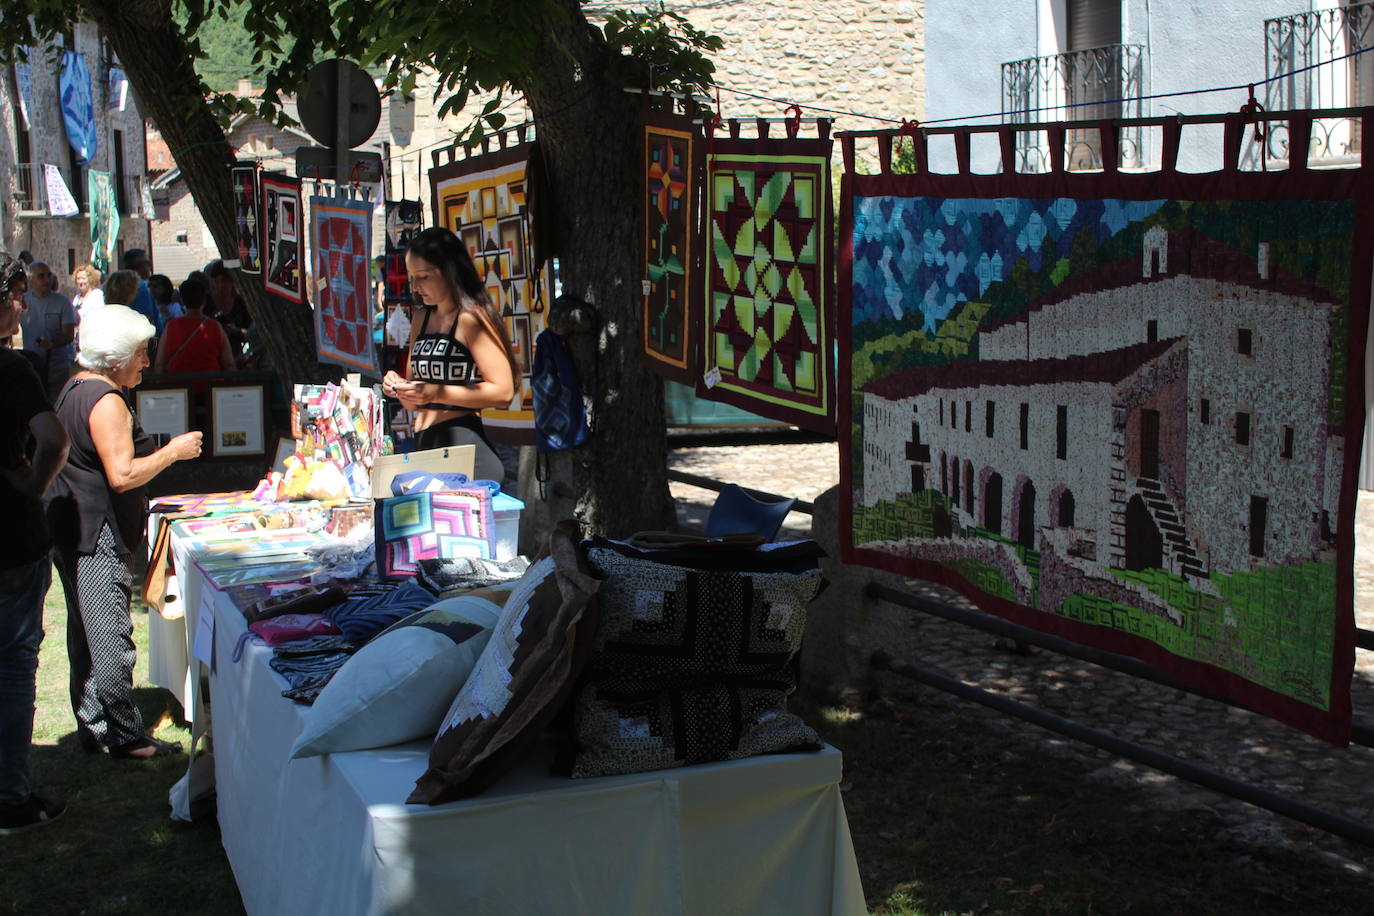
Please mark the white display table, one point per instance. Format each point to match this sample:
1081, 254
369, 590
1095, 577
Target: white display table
332, 834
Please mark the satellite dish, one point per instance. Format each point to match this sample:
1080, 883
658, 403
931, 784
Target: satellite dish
318, 105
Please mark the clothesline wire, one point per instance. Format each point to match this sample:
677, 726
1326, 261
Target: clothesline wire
1027, 111
402, 157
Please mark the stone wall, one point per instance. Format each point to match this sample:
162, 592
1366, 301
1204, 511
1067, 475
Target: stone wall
24, 220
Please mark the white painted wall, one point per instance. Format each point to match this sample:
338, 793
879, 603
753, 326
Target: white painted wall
1191, 44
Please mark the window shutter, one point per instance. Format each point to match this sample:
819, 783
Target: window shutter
1094, 23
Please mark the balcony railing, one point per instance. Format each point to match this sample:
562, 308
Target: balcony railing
1087, 85
1292, 43
30, 192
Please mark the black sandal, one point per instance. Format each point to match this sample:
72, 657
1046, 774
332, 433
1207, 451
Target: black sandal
160, 749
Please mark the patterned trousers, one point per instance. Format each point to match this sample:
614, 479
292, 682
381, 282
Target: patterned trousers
100, 642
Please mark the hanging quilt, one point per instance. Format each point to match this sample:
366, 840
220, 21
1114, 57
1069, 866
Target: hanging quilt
281, 236
483, 199
341, 246
672, 239
1125, 409
769, 336
104, 218
244, 179
404, 221
60, 200
78, 107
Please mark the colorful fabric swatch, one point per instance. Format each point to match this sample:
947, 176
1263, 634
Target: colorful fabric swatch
78, 107
769, 332
341, 233
244, 179
1125, 409
433, 526
281, 236
404, 220
104, 218
671, 165
483, 200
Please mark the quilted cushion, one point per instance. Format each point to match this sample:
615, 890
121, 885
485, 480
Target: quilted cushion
398, 686
693, 657
521, 680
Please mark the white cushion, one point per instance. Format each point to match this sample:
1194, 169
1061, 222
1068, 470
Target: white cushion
398, 687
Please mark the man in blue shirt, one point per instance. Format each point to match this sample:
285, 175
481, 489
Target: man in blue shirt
136, 259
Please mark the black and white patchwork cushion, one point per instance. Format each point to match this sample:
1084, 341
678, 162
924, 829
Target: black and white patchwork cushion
694, 655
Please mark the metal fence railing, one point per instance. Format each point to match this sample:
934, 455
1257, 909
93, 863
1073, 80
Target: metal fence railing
1088, 85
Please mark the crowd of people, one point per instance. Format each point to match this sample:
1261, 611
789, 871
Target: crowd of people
76, 462
48, 324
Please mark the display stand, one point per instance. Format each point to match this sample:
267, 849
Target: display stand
332, 834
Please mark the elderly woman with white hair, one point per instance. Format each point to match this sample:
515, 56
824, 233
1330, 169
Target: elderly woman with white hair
98, 513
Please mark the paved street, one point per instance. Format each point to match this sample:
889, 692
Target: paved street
1238, 743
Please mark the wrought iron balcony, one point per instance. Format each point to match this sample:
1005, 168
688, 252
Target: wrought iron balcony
30, 192
1306, 39
1086, 85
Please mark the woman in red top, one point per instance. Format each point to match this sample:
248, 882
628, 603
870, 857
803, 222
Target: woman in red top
193, 343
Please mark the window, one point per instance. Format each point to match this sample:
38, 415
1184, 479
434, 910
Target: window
1242, 428
1259, 520
1205, 410
968, 416
990, 419
942, 411
953, 414
1025, 426
71, 260
1151, 331
121, 199
78, 178
1244, 341
1286, 451
1061, 431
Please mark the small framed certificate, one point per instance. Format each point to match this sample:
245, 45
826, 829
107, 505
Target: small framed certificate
238, 420
164, 412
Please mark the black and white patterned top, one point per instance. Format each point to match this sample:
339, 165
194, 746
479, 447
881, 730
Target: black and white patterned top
442, 359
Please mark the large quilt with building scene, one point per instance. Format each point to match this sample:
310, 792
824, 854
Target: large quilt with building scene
1122, 409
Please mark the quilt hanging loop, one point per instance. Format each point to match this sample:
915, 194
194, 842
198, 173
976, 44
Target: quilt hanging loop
761, 126
885, 153
847, 152
1250, 111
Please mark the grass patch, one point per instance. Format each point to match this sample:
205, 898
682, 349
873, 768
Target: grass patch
116, 850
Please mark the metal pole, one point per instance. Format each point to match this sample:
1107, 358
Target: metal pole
1263, 798
341, 118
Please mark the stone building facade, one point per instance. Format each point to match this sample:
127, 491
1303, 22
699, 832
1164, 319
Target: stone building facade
28, 144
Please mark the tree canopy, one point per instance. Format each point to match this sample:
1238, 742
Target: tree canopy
571, 73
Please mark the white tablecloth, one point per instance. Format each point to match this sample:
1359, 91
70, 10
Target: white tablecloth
333, 835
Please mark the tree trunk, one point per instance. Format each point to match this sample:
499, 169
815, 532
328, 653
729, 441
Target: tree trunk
588, 132
154, 54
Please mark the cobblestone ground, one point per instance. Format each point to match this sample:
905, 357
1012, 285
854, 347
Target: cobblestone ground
1238, 743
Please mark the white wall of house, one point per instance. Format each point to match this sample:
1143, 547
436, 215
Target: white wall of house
25, 223
1190, 45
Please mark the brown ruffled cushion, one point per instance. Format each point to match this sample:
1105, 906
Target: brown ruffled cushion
522, 678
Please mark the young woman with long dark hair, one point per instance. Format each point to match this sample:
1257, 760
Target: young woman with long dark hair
460, 361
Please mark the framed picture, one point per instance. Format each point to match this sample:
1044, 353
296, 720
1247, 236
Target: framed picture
238, 420
163, 412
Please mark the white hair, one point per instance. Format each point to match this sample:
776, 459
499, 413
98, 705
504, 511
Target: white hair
111, 336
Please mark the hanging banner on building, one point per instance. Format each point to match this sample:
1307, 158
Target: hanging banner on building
104, 219
23, 78
281, 243
244, 179
78, 108
769, 322
1125, 409
672, 242
119, 89
60, 200
341, 255
484, 200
